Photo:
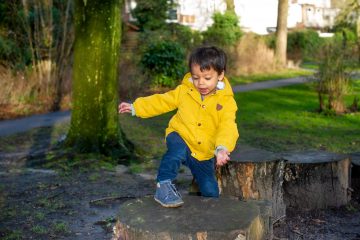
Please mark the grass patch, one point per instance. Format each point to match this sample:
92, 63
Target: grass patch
285, 119
38, 229
60, 227
288, 73
310, 65
14, 235
148, 135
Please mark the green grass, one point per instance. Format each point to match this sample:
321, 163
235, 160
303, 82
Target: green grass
235, 80
281, 119
60, 227
148, 135
285, 119
310, 65
38, 229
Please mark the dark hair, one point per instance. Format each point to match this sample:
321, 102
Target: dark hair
208, 57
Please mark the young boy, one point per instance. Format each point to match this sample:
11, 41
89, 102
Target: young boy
203, 126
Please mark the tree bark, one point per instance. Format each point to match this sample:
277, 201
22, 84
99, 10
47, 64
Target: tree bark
281, 32
230, 5
316, 180
254, 174
94, 121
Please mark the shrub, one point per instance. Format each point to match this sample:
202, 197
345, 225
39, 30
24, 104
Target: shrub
334, 80
225, 30
163, 62
173, 32
307, 42
252, 55
151, 14
184, 35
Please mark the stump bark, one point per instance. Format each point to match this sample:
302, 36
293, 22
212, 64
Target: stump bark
316, 179
254, 174
355, 173
199, 218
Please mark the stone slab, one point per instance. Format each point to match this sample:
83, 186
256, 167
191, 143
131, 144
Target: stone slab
215, 218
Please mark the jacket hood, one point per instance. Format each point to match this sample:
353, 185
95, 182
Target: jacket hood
187, 81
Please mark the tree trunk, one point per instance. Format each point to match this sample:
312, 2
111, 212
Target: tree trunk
94, 121
281, 32
230, 5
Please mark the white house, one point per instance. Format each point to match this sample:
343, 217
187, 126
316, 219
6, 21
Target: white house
258, 16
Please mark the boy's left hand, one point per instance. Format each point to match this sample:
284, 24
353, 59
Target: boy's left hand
222, 157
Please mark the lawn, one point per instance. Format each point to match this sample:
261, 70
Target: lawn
282, 119
285, 119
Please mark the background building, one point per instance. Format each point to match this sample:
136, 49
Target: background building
257, 16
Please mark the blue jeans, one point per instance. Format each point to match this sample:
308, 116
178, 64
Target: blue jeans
179, 153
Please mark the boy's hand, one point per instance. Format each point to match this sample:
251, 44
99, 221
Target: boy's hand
222, 157
124, 107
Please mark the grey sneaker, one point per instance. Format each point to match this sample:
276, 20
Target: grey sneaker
167, 195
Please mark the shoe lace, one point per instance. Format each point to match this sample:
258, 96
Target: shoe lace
171, 191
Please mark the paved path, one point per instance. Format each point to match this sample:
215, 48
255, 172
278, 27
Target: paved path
8, 127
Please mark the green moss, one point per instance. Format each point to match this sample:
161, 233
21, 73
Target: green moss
94, 122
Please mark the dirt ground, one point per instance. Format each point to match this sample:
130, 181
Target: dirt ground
44, 204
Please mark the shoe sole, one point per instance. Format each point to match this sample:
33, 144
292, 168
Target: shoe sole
174, 205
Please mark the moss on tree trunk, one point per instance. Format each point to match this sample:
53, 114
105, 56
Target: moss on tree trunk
94, 121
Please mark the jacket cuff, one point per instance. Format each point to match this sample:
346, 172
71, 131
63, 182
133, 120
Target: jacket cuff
219, 148
133, 113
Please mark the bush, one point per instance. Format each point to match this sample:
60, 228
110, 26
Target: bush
172, 32
334, 79
163, 62
307, 42
252, 55
225, 30
184, 35
151, 14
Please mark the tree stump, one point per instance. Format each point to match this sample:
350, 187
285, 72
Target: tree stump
254, 174
199, 218
316, 179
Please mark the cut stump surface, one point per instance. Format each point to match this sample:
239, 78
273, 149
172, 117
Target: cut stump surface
199, 218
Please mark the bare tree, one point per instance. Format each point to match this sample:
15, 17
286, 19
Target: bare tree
230, 5
281, 32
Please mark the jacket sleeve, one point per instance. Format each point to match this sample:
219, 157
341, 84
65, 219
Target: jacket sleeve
157, 104
228, 134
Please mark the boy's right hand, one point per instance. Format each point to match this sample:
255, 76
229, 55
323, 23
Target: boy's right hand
124, 107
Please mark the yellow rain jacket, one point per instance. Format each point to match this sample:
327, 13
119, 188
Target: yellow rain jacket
203, 125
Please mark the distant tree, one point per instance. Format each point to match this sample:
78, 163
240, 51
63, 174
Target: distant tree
94, 121
225, 30
281, 32
151, 14
230, 5
350, 17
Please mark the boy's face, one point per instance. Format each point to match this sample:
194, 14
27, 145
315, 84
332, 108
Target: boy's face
205, 81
